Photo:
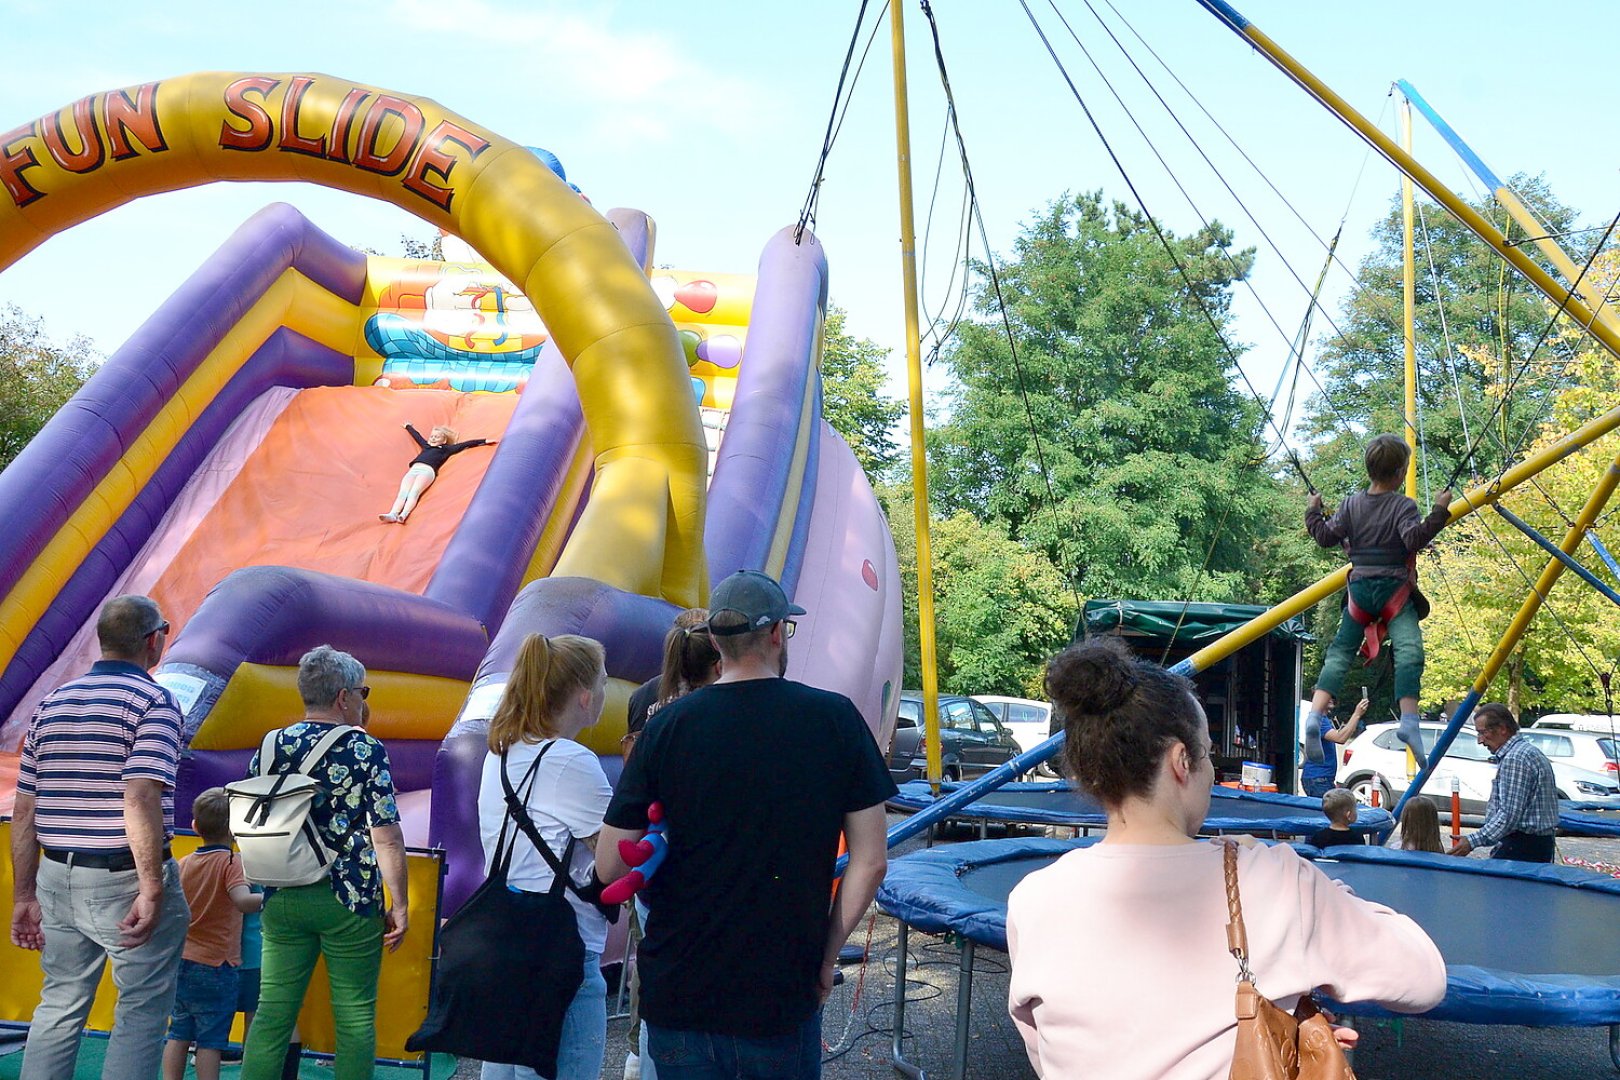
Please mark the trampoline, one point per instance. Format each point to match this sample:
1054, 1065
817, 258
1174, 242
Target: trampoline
1559, 967
1259, 813
1589, 818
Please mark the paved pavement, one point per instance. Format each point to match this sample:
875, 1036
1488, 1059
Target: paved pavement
859, 1019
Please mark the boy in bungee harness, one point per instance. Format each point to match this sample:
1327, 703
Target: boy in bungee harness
436, 449
1381, 533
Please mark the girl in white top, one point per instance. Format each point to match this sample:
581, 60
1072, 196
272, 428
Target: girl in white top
1119, 961
556, 691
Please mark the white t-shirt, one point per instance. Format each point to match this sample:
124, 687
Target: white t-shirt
1120, 968
569, 797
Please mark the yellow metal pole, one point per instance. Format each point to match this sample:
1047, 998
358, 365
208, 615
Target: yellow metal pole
1549, 577
919, 455
1464, 504
1409, 293
1578, 310
1555, 253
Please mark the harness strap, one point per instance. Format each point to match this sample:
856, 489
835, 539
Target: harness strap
1374, 627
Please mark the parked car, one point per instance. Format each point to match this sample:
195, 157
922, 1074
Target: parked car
1029, 721
1585, 766
971, 740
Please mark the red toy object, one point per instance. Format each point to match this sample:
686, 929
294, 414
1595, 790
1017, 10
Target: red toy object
646, 855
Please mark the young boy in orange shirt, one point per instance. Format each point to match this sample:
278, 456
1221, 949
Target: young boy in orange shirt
218, 894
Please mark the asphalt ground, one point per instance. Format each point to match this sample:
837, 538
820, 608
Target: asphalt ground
858, 1021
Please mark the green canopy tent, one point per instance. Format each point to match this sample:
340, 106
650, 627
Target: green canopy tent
1251, 698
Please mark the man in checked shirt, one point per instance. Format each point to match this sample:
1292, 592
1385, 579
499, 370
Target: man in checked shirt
1521, 817
95, 796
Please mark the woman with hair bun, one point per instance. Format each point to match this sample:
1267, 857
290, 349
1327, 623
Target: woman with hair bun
555, 692
1119, 957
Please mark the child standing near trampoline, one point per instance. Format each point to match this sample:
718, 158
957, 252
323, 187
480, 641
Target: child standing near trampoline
1381, 533
435, 450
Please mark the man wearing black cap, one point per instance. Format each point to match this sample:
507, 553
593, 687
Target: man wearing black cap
744, 932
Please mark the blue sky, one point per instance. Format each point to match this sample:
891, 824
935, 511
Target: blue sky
709, 116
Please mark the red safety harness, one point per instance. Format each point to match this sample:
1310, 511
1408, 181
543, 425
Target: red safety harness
1374, 627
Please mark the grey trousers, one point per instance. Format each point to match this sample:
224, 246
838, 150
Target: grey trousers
80, 910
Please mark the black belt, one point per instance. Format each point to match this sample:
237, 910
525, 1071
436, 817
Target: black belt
121, 859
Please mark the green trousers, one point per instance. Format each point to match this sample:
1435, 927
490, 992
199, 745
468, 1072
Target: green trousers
1404, 639
302, 925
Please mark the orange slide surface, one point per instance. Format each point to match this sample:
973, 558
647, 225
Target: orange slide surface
309, 495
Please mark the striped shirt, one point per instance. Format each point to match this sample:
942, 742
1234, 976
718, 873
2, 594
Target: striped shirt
1524, 795
87, 739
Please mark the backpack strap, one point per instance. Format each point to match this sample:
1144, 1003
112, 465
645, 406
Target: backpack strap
319, 750
267, 750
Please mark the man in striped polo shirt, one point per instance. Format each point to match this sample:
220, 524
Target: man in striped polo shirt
95, 795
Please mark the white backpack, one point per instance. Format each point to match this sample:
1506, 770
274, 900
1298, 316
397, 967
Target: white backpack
270, 819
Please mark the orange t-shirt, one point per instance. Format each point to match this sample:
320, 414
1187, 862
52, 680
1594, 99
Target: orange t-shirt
207, 876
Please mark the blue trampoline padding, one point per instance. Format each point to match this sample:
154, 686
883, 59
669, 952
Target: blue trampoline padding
1589, 818
1058, 803
1523, 943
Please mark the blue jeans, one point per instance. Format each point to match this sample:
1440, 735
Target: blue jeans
584, 1034
698, 1055
204, 1005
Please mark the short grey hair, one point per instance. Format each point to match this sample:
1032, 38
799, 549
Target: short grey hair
124, 624
324, 673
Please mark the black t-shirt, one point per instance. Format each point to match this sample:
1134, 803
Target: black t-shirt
755, 778
642, 699
1324, 838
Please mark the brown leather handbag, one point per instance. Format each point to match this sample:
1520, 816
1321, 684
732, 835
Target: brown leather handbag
1271, 1044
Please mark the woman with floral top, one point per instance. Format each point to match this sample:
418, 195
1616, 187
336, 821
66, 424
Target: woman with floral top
347, 919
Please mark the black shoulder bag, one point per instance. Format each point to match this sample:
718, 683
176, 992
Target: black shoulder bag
510, 962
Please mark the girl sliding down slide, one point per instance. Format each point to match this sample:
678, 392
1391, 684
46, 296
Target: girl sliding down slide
436, 449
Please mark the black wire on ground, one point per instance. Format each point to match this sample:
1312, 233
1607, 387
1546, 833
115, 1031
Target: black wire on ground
808, 212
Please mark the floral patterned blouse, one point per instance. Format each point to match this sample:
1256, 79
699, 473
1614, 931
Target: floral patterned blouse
356, 794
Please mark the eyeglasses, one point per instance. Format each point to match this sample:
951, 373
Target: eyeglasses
788, 626
365, 691
160, 628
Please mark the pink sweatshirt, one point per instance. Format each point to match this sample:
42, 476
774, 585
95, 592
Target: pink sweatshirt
1120, 968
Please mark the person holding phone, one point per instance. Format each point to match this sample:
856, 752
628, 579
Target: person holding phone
1317, 777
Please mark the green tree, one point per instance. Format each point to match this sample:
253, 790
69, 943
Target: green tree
1477, 578
37, 377
1471, 299
1158, 489
1000, 609
853, 400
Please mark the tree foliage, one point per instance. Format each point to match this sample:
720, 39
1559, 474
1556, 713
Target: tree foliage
1158, 489
1481, 574
1001, 609
37, 377
853, 398
1477, 322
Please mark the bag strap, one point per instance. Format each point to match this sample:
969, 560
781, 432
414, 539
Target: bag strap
504, 850
319, 750
519, 812
1237, 936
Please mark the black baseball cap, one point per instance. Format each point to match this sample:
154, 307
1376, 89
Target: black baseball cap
753, 595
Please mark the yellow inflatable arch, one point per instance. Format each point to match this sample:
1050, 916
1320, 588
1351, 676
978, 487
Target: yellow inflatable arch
109, 148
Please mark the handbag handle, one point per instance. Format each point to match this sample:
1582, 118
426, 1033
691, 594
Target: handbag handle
1237, 936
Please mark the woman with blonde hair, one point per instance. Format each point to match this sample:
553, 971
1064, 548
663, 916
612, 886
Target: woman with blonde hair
555, 692
1146, 909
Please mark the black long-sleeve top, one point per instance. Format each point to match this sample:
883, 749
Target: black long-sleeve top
434, 457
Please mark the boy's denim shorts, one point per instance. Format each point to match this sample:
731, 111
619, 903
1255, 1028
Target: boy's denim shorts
204, 1005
